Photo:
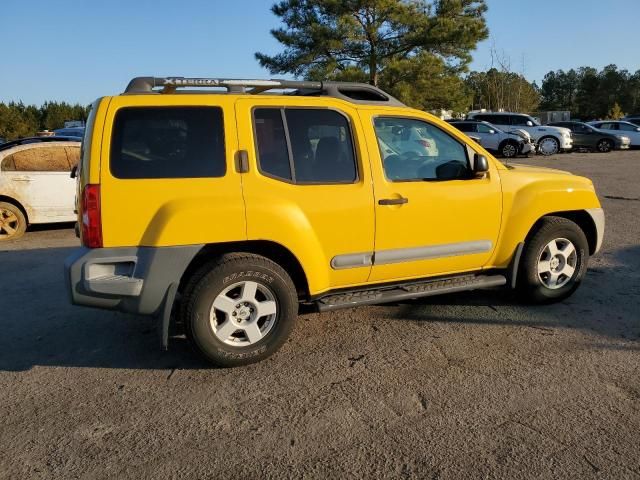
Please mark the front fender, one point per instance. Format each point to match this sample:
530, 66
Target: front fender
530, 196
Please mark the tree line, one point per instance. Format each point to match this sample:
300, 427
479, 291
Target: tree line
18, 120
592, 94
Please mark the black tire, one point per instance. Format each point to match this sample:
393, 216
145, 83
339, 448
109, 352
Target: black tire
604, 146
211, 281
509, 149
13, 223
530, 285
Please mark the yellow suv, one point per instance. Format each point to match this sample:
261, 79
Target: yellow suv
226, 209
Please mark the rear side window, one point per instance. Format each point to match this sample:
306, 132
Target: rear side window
495, 119
168, 142
38, 159
465, 127
305, 145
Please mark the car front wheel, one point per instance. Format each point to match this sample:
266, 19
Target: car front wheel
509, 149
604, 145
239, 309
554, 261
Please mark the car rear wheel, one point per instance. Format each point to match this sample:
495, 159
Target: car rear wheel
239, 309
554, 261
13, 223
604, 145
509, 149
548, 146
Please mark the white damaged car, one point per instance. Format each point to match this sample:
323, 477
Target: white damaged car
549, 140
35, 183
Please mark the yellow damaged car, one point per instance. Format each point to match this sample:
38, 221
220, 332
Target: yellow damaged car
223, 205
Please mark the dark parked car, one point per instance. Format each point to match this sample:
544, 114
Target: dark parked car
69, 132
587, 136
633, 118
26, 140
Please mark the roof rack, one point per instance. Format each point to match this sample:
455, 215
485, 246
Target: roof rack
361, 93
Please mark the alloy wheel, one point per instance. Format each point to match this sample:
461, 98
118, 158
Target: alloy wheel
243, 313
557, 263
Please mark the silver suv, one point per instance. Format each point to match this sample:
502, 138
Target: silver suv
549, 140
507, 144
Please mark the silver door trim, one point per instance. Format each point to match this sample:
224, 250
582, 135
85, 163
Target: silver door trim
399, 255
352, 260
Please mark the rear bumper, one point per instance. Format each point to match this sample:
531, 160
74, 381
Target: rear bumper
129, 279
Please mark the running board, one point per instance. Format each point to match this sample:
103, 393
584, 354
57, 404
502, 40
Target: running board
409, 291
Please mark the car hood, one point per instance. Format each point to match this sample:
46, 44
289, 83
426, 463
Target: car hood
548, 128
520, 133
526, 169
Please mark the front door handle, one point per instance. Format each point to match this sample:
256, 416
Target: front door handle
21, 179
393, 201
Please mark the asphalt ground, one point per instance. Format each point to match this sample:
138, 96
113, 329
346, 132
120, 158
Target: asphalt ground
470, 385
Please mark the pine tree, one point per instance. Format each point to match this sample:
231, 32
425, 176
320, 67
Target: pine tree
615, 113
346, 39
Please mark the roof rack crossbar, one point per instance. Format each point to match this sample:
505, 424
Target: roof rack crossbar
353, 92
148, 84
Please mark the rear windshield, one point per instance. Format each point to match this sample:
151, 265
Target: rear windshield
168, 142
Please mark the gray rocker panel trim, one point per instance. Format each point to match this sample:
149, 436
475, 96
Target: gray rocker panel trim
398, 255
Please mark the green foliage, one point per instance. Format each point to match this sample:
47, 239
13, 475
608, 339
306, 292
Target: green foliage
426, 82
360, 39
590, 94
18, 120
615, 113
495, 90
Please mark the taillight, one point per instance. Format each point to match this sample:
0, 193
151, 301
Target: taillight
91, 221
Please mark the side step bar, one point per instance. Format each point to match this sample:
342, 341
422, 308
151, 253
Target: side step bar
408, 291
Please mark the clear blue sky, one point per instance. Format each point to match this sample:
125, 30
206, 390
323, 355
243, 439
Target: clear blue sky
76, 50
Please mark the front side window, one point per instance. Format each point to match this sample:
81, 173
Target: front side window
496, 119
522, 121
626, 127
304, 145
168, 142
412, 149
482, 128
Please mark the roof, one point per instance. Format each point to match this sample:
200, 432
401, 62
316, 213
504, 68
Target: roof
27, 140
358, 93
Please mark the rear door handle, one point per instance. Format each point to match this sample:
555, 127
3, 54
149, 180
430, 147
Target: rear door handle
393, 201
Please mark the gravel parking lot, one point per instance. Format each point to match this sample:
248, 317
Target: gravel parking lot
462, 386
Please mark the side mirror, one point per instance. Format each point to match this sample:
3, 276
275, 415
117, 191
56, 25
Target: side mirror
492, 131
638, 129
529, 123
480, 165
74, 172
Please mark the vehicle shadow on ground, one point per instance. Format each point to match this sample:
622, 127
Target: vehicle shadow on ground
41, 328
606, 304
